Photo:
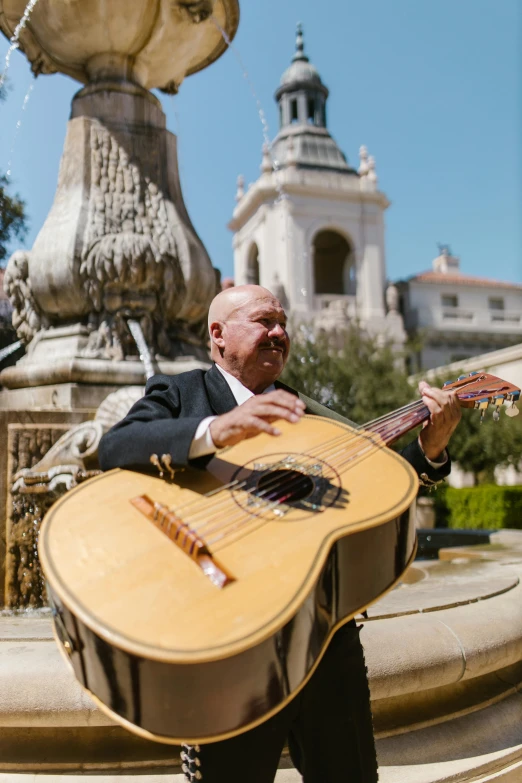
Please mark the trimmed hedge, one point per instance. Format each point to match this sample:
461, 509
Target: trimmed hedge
487, 506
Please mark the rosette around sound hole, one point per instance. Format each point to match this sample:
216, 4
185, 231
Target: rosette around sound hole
280, 482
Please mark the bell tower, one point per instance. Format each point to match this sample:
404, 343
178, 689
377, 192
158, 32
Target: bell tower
311, 228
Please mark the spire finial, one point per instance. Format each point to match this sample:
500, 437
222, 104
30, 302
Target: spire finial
240, 192
363, 158
372, 174
299, 45
266, 164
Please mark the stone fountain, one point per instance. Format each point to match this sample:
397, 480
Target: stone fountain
118, 243
118, 283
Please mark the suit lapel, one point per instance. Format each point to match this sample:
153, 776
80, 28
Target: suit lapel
219, 394
314, 407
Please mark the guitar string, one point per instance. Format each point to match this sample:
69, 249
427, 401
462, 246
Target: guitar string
340, 439
224, 533
288, 485
292, 486
385, 432
285, 484
226, 536
277, 484
397, 417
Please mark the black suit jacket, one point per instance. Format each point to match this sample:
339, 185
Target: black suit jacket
165, 420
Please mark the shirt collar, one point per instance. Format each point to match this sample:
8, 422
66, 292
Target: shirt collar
240, 392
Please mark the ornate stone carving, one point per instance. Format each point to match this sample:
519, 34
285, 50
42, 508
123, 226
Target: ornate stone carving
116, 406
198, 10
28, 447
129, 264
27, 316
45, 464
118, 243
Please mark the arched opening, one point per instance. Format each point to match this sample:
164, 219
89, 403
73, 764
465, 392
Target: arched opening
334, 264
252, 270
311, 114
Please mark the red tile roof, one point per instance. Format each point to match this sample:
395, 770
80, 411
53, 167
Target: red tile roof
458, 279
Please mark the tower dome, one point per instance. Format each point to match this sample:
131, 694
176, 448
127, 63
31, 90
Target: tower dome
303, 139
301, 71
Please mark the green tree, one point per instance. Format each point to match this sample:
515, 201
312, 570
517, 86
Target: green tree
13, 221
358, 377
352, 373
480, 445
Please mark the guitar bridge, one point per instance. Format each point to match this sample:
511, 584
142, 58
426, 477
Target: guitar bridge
185, 538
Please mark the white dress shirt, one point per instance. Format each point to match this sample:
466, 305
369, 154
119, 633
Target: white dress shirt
202, 443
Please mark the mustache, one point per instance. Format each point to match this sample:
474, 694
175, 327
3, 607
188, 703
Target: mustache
274, 344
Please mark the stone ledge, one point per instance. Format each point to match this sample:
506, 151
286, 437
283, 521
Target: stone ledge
443, 646
405, 655
95, 371
445, 688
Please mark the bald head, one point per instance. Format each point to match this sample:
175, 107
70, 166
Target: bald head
247, 327
228, 301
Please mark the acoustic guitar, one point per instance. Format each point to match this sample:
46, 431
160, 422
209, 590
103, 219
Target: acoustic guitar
193, 609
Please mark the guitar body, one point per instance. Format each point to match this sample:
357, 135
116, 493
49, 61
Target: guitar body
315, 525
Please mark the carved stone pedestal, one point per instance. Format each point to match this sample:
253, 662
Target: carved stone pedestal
117, 244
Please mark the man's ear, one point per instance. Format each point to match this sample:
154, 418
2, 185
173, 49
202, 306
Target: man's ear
216, 334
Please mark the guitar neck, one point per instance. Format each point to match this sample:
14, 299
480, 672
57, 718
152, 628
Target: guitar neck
476, 390
397, 423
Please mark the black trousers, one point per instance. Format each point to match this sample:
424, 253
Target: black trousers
328, 727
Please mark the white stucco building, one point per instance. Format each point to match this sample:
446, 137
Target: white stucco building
311, 228
458, 316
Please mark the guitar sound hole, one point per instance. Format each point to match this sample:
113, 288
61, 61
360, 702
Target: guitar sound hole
284, 486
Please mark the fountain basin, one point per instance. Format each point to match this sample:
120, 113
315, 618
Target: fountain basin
153, 43
444, 674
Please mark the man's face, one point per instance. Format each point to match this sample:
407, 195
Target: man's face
256, 343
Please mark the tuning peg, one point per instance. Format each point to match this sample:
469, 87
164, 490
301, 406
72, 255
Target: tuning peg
475, 372
446, 383
482, 406
512, 411
496, 415
461, 377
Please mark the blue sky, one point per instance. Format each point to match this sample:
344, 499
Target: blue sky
432, 88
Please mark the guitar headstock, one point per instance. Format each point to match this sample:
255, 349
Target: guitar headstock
480, 390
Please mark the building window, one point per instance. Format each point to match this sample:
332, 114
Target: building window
497, 312
334, 265
252, 270
293, 110
449, 300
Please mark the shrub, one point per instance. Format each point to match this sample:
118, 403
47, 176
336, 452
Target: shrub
487, 507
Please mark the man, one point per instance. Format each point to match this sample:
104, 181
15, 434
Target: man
184, 419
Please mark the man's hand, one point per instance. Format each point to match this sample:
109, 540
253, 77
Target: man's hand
445, 415
256, 415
